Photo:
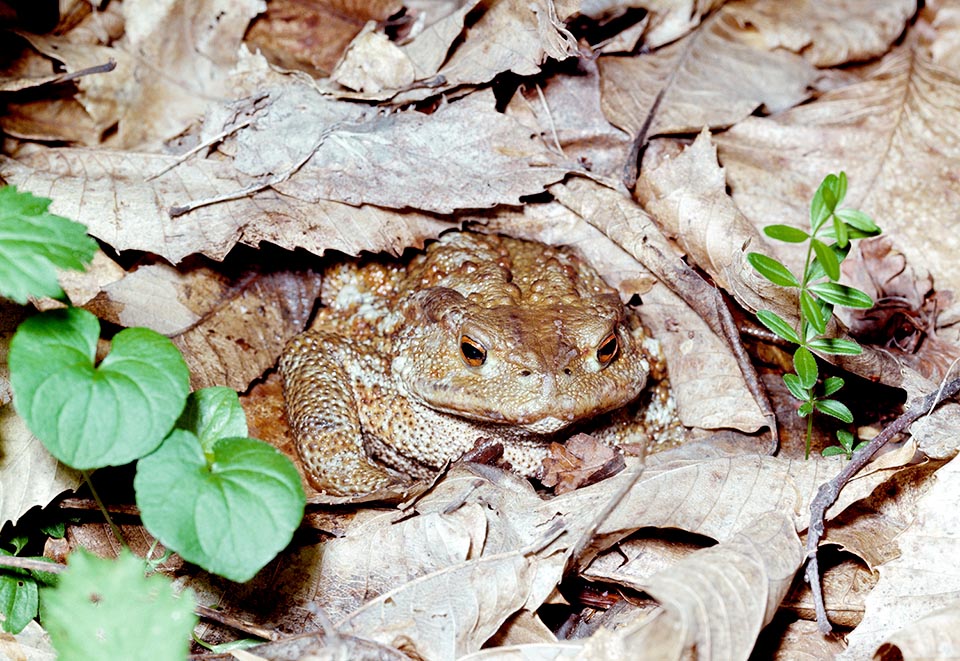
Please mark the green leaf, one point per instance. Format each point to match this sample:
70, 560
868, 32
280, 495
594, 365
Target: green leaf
92, 416
34, 244
212, 414
842, 295
831, 385
841, 187
836, 346
772, 270
19, 598
845, 438
833, 451
819, 211
811, 312
786, 233
858, 220
827, 259
834, 408
829, 187
806, 366
792, 381
816, 270
231, 516
108, 609
805, 409
778, 325
840, 231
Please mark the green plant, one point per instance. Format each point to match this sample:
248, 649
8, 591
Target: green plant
832, 229
202, 485
845, 447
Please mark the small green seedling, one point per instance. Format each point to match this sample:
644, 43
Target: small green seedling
846, 446
832, 229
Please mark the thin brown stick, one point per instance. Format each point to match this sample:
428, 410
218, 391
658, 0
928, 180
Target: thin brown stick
31, 564
828, 492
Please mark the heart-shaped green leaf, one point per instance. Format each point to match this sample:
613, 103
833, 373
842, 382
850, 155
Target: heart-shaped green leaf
230, 516
87, 415
212, 414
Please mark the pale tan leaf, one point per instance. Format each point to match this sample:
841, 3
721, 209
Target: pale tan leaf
724, 595
31, 644
709, 78
934, 636
668, 19
441, 619
372, 63
348, 575
942, 19
29, 474
922, 580
565, 111
828, 34
896, 135
110, 194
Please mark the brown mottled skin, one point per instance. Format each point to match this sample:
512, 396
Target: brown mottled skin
479, 337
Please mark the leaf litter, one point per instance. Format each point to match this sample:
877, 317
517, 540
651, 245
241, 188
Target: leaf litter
415, 118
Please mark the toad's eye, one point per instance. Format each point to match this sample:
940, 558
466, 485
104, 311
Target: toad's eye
607, 350
472, 351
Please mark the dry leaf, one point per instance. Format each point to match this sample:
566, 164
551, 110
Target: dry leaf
565, 111
922, 580
727, 593
229, 329
709, 78
507, 35
581, 460
172, 59
828, 34
311, 35
934, 636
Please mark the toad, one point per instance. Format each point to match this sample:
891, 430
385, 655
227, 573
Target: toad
480, 337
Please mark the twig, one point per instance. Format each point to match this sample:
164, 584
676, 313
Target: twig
632, 167
828, 492
752, 380
553, 126
31, 564
204, 145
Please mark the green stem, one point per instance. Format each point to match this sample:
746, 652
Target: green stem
809, 434
103, 508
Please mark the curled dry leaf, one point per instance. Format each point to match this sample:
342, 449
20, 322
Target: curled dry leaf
506, 35
936, 635
713, 77
565, 112
919, 582
668, 19
581, 460
726, 594
229, 329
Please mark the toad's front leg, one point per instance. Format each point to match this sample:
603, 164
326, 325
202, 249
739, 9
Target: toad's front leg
322, 413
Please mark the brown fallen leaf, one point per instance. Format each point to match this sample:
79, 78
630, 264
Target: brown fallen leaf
921, 580
712, 77
827, 35
581, 460
230, 329
310, 35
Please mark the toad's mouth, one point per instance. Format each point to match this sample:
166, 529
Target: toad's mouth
533, 420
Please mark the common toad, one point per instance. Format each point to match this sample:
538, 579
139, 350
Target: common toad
480, 336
